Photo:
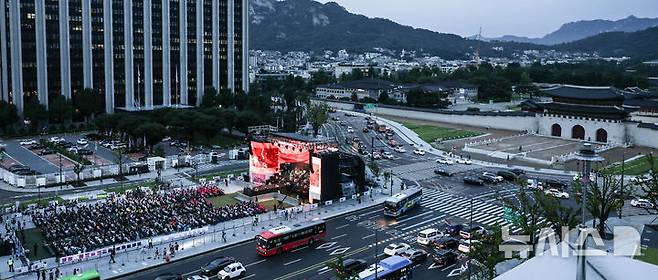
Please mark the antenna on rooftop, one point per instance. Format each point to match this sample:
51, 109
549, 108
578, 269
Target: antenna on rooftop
477, 49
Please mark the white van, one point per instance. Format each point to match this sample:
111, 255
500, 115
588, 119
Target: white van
427, 236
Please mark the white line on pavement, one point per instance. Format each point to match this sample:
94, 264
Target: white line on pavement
345, 225
424, 222
367, 236
255, 263
447, 267
339, 236
413, 217
249, 276
291, 262
368, 213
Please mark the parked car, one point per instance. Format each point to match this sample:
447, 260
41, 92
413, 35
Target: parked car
56, 139
445, 161
464, 161
352, 266
473, 181
488, 179
640, 179
419, 152
350, 129
495, 177
46, 152
399, 149
427, 236
82, 142
387, 155
444, 257
465, 245
27, 172
84, 152
366, 130
517, 171
396, 248
216, 265
642, 203
17, 167
376, 155
507, 175
169, 276
535, 184
446, 243
93, 137
476, 230
453, 230
232, 271
27, 142
37, 146
557, 193
555, 184
415, 255
442, 172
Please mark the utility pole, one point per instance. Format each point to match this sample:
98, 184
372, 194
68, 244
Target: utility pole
470, 241
376, 253
622, 193
587, 155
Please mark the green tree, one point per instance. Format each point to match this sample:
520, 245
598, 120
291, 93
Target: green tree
559, 215
89, 103
36, 113
487, 251
78, 169
602, 198
210, 98
153, 132
337, 265
528, 211
8, 115
60, 109
374, 167
317, 115
354, 97
650, 187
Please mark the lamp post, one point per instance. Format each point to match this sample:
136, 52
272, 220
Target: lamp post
622, 193
587, 155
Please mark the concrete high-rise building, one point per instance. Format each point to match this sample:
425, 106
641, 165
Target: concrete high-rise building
139, 54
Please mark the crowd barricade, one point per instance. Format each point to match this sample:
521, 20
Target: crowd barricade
99, 253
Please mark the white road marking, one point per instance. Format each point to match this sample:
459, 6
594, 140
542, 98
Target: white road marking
291, 262
367, 236
339, 236
249, 276
345, 225
255, 263
448, 267
424, 222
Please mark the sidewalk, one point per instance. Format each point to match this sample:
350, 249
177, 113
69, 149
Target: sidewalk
237, 231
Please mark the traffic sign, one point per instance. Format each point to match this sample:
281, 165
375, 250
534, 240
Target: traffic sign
369, 106
510, 216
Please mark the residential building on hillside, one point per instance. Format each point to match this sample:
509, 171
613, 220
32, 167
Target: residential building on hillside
138, 54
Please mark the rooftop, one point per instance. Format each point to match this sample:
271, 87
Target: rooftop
585, 93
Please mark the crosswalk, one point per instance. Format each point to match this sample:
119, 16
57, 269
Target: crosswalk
483, 212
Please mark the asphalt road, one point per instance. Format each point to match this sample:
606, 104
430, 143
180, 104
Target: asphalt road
360, 235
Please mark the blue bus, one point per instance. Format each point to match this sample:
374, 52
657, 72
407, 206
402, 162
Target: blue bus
402, 202
391, 268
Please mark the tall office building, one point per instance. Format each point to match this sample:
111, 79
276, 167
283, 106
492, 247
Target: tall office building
139, 54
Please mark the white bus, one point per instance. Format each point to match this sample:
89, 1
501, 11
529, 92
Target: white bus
402, 202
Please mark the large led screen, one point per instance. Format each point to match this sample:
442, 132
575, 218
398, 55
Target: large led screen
315, 180
292, 154
263, 162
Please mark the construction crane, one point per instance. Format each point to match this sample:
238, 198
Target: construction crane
477, 49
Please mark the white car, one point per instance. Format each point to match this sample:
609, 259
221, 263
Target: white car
535, 184
465, 245
376, 155
641, 202
232, 271
400, 150
419, 152
197, 277
445, 161
394, 249
557, 193
27, 142
72, 149
464, 161
56, 139
387, 155
493, 176
350, 129
641, 179
166, 139
82, 142
427, 236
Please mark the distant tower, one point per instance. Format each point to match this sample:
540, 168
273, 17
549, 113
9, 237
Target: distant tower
477, 50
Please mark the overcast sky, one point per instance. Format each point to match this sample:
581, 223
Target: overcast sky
533, 18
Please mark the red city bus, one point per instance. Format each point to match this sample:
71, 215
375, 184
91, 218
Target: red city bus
284, 238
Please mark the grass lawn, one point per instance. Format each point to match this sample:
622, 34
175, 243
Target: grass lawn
649, 255
635, 167
34, 236
120, 189
219, 201
430, 133
269, 204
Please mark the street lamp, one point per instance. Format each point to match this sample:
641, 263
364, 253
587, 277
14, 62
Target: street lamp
587, 155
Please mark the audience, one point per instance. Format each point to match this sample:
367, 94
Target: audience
85, 227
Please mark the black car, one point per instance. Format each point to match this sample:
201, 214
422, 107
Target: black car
507, 175
84, 152
46, 152
453, 230
37, 147
442, 172
517, 171
213, 267
28, 172
473, 181
352, 266
416, 256
444, 257
486, 179
17, 167
169, 276
446, 243
93, 137
555, 184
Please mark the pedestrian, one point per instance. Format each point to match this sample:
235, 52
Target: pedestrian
39, 275
57, 273
150, 243
43, 274
157, 252
51, 275
10, 264
176, 247
224, 236
275, 208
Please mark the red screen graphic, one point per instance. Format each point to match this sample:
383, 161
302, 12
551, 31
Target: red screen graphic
291, 154
263, 162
